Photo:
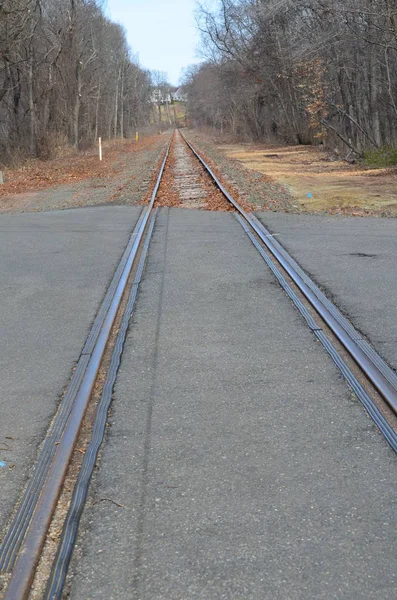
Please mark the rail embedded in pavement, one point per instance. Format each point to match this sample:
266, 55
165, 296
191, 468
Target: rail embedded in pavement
372, 365
26, 536
27, 532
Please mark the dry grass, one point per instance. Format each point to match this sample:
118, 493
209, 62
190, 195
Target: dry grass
334, 186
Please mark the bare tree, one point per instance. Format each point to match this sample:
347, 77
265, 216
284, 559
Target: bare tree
161, 94
302, 70
66, 73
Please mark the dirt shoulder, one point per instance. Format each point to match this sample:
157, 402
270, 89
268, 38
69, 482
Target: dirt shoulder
314, 182
79, 180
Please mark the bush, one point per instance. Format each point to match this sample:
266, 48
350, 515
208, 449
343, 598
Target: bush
53, 145
384, 157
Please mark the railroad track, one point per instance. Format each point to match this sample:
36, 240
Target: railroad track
38, 545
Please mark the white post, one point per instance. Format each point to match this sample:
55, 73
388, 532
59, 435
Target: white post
1, 177
100, 148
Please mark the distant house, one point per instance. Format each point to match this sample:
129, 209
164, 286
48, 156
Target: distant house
159, 96
180, 95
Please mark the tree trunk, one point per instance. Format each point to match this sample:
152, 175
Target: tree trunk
122, 106
77, 104
116, 106
46, 112
32, 110
97, 111
168, 112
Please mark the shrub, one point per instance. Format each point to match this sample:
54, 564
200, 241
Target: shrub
383, 157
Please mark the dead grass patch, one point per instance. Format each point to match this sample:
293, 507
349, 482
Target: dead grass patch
319, 184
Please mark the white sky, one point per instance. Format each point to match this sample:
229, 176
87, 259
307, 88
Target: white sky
162, 33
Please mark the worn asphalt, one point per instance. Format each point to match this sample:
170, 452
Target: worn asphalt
237, 464
354, 261
54, 271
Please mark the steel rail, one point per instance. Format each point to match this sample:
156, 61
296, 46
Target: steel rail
23, 572
367, 365
70, 528
390, 375
362, 395
10, 545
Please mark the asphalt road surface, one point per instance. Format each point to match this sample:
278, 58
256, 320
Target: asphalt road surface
54, 271
354, 260
237, 464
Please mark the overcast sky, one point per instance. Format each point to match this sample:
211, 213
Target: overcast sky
162, 33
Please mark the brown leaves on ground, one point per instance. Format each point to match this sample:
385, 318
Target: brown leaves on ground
217, 201
167, 194
37, 175
256, 189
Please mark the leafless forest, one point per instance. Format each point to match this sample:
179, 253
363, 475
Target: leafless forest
298, 71
301, 71
66, 77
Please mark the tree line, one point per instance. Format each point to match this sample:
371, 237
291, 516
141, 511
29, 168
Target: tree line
299, 70
66, 76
